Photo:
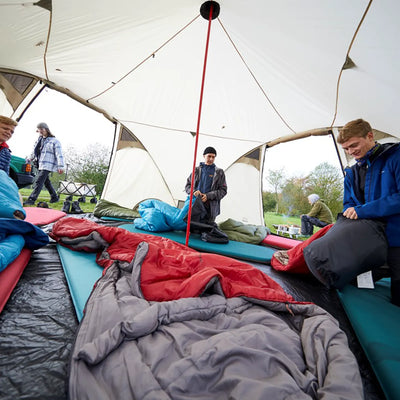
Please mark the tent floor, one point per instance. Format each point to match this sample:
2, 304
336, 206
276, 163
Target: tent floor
38, 325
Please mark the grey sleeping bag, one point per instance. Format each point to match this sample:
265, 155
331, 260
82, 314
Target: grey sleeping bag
209, 347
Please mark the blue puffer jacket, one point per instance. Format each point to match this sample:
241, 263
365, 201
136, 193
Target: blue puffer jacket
382, 191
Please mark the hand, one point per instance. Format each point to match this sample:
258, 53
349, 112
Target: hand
197, 193
60, 171
350, 213
203, 198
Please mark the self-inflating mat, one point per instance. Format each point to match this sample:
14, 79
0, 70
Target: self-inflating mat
81, 272
42, 216
280, 242
240, 250
377, 325
10, 276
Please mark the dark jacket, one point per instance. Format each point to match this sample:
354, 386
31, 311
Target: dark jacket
218, 188
382, 191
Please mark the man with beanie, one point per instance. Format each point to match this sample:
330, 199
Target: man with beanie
320, 215
372, 188
7, 126
209, 184
47, 157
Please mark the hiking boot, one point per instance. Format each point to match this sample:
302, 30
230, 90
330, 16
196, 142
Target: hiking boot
93, 200
69, 198
66, 207
82, 199
29, 203
54, 200
42, 204
75, 208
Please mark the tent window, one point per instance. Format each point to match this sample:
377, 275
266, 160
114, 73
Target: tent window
255, 154
127, 136
19, 82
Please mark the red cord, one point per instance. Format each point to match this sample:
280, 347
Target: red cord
198, 129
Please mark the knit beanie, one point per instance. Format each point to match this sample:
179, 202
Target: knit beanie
42, 125
209, 150
313, 198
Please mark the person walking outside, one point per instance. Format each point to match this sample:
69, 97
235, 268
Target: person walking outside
47, 157
320, 215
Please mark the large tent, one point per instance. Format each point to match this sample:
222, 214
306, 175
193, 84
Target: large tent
275, 71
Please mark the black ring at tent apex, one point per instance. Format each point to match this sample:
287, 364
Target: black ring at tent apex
205, 10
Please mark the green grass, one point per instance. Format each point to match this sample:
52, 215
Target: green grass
86, 207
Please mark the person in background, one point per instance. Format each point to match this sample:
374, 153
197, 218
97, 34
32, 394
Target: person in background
209, 184
7, 126
372, 188
320, 215
47, 157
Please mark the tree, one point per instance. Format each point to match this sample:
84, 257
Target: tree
327, 181
294, 200
276, 178
269, 201
88, 166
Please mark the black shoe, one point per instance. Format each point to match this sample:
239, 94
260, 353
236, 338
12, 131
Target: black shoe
66, 207
93, 200
75, 208
69, 198
54, 200
42, 204
82, 199
29, 203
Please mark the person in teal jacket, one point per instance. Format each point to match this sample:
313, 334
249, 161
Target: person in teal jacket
372, 188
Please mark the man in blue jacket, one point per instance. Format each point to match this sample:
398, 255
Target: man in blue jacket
7, 126
372, 188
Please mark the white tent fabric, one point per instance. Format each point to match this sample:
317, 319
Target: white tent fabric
274, 69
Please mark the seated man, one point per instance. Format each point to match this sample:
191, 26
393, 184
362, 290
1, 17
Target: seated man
320, 215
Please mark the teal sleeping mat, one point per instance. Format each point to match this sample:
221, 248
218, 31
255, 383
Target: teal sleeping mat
240, 250
376, 323
81, 272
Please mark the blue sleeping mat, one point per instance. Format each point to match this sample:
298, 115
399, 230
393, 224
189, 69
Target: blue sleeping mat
376, 323
240, 250
82, 272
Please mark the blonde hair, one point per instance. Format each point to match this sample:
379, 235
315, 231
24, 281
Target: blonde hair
356, 128
7, 121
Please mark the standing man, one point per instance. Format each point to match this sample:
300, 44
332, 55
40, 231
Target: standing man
209, 184
48, 157
372, 188
7, 126
320, 215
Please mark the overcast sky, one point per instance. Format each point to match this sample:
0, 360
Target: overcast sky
76, 125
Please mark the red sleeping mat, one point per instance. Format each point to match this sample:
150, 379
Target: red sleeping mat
42, 216
11, 274
280, 242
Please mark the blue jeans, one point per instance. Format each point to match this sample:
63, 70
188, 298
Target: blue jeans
42, 179
307, 224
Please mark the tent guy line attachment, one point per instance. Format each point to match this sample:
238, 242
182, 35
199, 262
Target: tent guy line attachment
348, 62
152, 55
255, 79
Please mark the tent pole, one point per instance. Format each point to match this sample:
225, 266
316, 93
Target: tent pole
210, 18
